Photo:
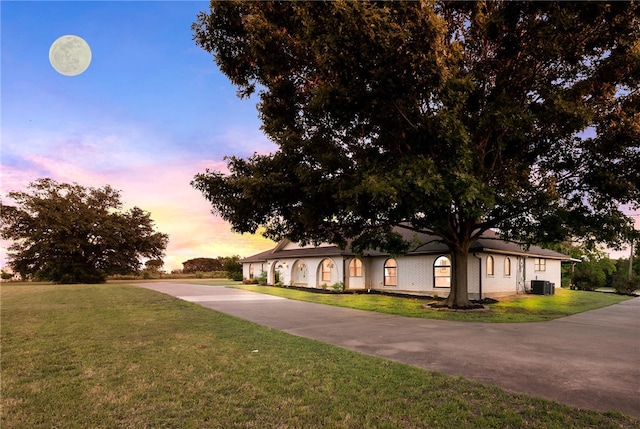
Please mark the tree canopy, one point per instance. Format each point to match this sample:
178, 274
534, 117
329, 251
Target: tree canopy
67, 233
202, 264
448, 118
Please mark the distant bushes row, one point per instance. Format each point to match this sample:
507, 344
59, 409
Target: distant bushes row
148, 275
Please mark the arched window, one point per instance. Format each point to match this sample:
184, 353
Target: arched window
490, 270
390, 273
355, 268
326, 270
442, 272
250, 271
507, 267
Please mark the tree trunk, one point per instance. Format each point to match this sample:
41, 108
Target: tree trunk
459, 294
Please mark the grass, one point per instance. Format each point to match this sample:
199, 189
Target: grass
516, 309
116, 356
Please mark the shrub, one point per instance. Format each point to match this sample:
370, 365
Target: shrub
337, 287
626, 286
235, 276
262, 278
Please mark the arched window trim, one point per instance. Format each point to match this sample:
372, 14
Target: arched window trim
251, 271
325, 269
390, 272
441, 272
355, 268
507, 267
490, 266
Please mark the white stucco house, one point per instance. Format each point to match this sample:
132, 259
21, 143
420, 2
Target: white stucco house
496, 268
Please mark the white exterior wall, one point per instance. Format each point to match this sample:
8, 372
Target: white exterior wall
499, 283
314, 272
355, 283
337, 272
415, 274
258, 267
553, 272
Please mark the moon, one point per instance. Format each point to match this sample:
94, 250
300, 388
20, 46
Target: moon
70, 55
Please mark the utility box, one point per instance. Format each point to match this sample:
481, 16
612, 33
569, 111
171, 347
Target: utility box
542, 287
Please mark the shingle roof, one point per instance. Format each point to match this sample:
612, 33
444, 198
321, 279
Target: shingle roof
490, 242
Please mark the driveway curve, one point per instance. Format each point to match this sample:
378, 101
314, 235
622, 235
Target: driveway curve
589, 360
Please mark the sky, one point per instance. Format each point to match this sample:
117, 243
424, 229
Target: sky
151, 111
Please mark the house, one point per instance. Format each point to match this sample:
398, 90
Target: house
495, 268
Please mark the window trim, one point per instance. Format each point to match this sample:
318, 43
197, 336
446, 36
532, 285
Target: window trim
328, 262
387, 276
507, 267
251, 271
540, 264
491, 266
435, 276
355, 268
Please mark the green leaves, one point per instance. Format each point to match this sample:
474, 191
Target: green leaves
67, 233
449, 117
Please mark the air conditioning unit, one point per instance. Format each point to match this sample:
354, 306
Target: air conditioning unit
542, 287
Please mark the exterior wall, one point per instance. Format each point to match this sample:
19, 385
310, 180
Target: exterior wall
258, 267
356, 283
299, 273
287, 277
499, 284
415, 274
552, 273
337, 272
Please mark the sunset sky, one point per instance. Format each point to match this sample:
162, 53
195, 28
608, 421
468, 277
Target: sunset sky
150, 112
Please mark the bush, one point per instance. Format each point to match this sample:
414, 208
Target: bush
262, 278
626, 286
235, 276
337, 287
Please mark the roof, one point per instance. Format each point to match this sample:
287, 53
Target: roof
489, 242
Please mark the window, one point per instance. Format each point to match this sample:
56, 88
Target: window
390, 273
490, 269
326, 270
540, 264
355, 268
250, 271
442, 272
507, 267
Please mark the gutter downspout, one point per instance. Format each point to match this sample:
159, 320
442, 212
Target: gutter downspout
479, 275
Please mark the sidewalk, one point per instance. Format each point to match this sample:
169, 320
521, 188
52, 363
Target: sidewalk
589, 360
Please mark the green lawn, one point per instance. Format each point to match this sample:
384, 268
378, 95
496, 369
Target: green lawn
116, 356
522, 308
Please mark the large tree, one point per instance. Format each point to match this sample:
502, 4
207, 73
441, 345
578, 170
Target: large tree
446, 118
68, 233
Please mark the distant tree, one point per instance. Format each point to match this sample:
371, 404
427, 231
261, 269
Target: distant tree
154, 264
67, 233
441, 117
621, 281
594, 272
233, 267
201, 264
153, 268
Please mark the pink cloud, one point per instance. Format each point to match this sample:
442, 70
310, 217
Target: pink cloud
164, 191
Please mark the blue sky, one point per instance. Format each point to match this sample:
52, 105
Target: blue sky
150, 112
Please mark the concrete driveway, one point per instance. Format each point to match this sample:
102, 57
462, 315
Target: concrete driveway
589, 360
